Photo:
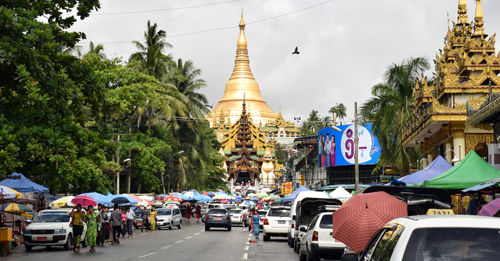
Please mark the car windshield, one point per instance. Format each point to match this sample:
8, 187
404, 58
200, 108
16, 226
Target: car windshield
465, 244
163, 212
326, 221
51, 217
262, 212
235, 211
217, 211
275, 212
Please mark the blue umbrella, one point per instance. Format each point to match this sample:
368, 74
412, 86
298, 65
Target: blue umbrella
99, 198
254, 198
210, 193
238, 198
182, 197
222, 192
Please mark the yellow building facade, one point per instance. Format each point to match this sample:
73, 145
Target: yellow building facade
466, 70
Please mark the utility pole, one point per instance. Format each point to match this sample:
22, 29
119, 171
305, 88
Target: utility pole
356, 163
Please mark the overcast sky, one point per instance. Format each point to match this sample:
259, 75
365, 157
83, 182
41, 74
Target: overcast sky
344, 46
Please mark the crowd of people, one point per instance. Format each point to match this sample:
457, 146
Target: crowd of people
103, 224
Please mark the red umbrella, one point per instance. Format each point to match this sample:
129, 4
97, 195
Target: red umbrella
362, 215
85, 201
173, 199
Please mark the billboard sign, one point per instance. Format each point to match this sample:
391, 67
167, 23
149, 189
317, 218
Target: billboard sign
336, 148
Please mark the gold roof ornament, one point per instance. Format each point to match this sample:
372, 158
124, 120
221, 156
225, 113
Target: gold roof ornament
479, 29
462, 12
242, 80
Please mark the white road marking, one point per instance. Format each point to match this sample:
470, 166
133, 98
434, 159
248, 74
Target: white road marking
152, 253
246, 248
165, 247
188, 237
197, 234
202, 230
248, 243
180, 241
245, 256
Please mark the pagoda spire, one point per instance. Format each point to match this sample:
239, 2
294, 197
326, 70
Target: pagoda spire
462, 12
479, 29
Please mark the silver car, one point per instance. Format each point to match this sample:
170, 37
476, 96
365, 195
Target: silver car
168, 218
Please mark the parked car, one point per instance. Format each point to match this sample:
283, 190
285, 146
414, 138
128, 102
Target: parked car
306, 209
51, 228
215, 205
317, 241
217, 217
235, 215
262, 213
276, 222
458, 237
293, 209
138, 217
169, 218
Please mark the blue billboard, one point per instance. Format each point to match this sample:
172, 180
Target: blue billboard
336, 148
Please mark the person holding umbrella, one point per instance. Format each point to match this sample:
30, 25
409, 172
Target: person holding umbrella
77, 216
198, 212
92, 218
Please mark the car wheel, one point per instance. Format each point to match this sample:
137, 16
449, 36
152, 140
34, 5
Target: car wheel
159, 228
207, 228
28, 248
229, 229
302, 257
69, 242
290, 242
266, 238
180, 225
171, 225
310, 257
295, 246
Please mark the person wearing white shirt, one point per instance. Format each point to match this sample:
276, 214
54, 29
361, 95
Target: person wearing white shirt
130, 221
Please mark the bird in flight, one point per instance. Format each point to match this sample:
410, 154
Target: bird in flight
296, 50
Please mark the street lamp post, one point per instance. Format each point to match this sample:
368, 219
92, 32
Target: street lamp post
356, 162
454, 160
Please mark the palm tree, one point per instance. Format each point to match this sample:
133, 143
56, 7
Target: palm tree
311, 125
339, 111
150, 57
388, 111
97, 50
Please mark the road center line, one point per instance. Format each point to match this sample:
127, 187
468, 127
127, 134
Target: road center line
165, 247
197, 234
246, 248
180, 241
245, 256
152, 253
188, 237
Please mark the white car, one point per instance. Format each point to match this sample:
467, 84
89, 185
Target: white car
168, 218
262, 213
235, 215
317, 241
51, 228
453, 238
276, 222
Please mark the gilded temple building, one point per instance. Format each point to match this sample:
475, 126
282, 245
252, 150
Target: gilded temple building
248, 156
466, 77
242, 83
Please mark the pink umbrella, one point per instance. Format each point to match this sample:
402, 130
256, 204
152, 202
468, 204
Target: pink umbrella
85, 201
136, 198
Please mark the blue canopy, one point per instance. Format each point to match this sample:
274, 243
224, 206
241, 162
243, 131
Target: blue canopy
20, 183
292, 196
436, 168
99, 198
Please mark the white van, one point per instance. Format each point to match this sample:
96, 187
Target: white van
293, 211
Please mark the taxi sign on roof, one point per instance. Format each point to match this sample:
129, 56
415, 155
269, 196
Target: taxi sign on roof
433, 211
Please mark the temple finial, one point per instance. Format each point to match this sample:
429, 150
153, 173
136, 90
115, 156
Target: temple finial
242, 40
479, 23
479, 11
462, 12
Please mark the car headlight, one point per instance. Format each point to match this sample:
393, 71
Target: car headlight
60, 231
27, 232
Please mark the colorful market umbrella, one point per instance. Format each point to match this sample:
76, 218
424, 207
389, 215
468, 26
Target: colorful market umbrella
362, 215
221, 196
9, 193
172, 198
120, 200
63, 202
490, 209
85, 201
136, 198
16, 208
130, 201
99, 198
189, 194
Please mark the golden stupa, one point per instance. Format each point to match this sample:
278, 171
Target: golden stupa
242, 83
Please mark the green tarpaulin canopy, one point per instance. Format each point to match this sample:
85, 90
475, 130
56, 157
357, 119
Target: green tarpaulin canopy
469, 172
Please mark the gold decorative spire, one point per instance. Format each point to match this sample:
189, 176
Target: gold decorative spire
479, 30
462, 12
242, 83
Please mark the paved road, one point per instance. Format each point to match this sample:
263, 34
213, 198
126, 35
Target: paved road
191, 242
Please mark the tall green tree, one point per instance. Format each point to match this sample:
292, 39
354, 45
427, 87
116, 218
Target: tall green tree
339, 111
388, 110
97, 50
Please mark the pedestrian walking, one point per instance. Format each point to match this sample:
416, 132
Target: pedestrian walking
130, 222
92, 219
145, 218
124, 222
256, 227
116, 223
108, 223
101, 226
198, 213
244, 218
153, 214
77, 223
188, 212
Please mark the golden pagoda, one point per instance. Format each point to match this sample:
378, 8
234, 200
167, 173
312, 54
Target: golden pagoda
240, 82
467, 69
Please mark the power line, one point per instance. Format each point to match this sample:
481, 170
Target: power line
229, 27
161, 10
